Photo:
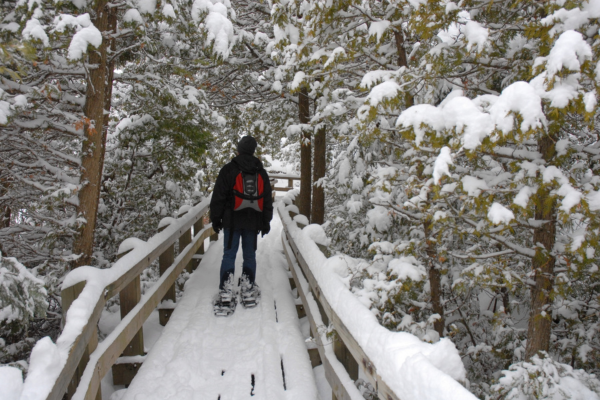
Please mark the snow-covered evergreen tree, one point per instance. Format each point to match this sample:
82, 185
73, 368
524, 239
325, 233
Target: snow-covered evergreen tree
485, 189
22, 298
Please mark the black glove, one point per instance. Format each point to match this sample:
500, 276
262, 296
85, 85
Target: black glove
266, 230
217, 226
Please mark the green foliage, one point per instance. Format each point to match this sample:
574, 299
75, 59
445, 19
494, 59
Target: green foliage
22, 298
544, 378
389, 198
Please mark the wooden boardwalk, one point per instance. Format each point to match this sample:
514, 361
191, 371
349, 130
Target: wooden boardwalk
256, 353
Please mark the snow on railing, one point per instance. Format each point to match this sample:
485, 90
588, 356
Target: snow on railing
276, 176
398, 364
56, 368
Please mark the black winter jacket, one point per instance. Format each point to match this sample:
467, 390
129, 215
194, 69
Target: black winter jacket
221, 204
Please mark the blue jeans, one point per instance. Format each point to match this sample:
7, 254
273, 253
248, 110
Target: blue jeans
249, 237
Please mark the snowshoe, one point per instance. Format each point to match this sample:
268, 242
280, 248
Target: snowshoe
250, 293
226, 300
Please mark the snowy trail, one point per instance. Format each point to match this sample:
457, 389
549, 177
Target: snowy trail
200, 356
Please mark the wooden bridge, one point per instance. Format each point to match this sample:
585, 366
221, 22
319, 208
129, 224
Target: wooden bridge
259, 353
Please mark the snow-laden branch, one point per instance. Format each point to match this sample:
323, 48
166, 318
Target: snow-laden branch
515, 247
481, 256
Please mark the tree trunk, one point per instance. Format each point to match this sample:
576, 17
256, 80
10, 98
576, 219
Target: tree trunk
505, 300
305, 155
110, 68
318, 198
5, 217
540, 322
5, 211
110, 73
435, 279
403, 62
94, 143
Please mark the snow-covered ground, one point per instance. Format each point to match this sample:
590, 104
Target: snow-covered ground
200, 356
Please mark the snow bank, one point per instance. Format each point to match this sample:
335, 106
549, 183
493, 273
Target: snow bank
316, 233
45, 363
130, 244
11, 382
413, 369
48, 358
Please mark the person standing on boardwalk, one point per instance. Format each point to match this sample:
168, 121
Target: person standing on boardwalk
242, 206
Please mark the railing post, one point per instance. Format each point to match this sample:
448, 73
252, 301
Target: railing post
198, 226
345, 357
165, 309
313, 354
184, 240
272, 182
339, 347
129, 297
292, 213
68, 296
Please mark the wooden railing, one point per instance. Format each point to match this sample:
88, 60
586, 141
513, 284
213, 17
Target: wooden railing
319, 317
88, 361
342, 348
86, 291
290, 179
123, 349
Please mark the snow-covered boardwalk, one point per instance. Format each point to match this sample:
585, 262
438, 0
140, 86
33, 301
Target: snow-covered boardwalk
256, 353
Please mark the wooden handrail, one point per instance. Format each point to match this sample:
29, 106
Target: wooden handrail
85, 345
347, 350
285, 176
342, 386
290, 178
309, 288
111, 348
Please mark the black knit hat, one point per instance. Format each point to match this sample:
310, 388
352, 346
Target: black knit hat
247, 145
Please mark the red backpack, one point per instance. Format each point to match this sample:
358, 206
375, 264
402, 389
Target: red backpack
248, 192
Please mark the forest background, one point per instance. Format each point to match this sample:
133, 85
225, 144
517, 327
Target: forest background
449, 148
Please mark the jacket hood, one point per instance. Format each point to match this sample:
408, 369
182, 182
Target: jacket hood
248, 163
